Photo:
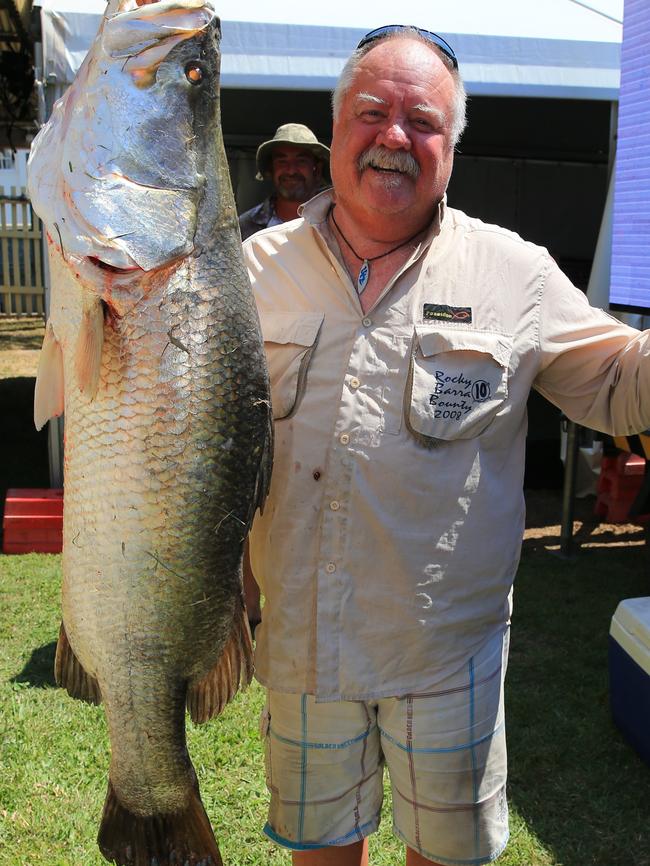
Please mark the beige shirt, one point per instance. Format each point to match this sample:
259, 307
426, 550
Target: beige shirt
390, 540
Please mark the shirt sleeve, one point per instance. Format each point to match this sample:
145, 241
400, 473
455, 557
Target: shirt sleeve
594, 368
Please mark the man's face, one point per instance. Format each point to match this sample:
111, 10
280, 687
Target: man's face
391, 147
295, 173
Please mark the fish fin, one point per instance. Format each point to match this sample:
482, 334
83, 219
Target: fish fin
183, 837
48, 394
207, 697
70, 674
263, 480
88, 352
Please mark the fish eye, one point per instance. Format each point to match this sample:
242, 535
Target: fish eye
194, 72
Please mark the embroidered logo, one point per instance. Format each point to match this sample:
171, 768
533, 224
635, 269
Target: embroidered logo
455, 396
445, 313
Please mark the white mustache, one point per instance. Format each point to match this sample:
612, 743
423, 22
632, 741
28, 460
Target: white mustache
393, 160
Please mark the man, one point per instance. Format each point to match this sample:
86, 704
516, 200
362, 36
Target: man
297, 164
403, 338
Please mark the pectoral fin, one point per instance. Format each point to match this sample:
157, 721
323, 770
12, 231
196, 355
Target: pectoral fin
88, 351
48, 394
209, 696
71, 675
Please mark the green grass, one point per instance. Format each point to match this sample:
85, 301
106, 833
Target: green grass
579, 796
574, 782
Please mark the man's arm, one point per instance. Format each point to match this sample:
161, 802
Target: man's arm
595, 368
251, 593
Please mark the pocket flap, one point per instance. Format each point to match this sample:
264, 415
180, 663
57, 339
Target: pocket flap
289, 342
301, 329
433, 342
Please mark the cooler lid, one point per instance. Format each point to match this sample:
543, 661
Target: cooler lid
631, 628
634, 615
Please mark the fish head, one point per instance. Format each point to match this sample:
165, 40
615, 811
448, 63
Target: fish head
118, 172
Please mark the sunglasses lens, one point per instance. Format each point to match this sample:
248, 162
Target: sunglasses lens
433, 38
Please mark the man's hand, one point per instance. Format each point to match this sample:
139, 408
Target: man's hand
251, 593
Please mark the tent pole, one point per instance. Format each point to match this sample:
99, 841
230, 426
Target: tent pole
568, 493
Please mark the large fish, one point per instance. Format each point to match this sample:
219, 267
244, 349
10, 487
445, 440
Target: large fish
153, 349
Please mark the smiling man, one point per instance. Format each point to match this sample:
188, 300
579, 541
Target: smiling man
403, 338
297, 164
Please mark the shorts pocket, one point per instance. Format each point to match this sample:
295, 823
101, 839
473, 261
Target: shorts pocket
289, 342
457, 382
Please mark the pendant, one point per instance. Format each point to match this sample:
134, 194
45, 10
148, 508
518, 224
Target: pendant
364, 276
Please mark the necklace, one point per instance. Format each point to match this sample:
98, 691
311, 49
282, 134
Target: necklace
364, 271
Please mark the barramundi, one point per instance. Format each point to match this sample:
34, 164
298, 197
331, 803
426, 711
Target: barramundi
153, 350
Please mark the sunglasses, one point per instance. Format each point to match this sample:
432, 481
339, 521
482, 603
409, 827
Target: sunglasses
433, 38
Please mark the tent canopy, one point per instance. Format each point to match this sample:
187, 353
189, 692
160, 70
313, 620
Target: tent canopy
558, 48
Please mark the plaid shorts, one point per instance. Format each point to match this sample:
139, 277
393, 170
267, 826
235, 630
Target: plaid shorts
445, 752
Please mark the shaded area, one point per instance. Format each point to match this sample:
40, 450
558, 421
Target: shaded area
582, 790
24, 333
543, 468
24, 460
39, 670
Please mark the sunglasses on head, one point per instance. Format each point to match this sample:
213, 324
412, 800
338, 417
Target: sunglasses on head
390, 29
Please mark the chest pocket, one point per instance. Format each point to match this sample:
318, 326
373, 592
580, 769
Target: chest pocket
289, 343
457, 383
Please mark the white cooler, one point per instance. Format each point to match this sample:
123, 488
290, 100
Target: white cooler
629, 672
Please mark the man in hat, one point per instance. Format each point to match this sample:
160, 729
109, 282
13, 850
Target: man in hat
297, 164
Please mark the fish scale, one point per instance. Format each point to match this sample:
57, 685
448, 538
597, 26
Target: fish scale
154, 350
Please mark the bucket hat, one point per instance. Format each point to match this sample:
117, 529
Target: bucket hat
297, 135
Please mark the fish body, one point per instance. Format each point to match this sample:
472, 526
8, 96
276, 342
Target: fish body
154, 352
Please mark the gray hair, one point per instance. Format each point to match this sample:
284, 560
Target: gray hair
348, 73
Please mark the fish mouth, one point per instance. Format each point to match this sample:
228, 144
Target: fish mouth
112, 269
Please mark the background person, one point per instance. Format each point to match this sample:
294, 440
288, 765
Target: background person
297, 164
403, 338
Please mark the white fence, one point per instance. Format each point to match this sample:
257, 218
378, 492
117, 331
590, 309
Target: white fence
22, 291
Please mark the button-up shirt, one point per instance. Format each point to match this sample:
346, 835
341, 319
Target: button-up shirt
259, 217
389, 542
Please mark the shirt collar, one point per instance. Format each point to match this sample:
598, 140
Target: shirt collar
265, 211
315, 213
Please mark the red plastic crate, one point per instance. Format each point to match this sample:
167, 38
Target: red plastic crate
33, 521
620, 481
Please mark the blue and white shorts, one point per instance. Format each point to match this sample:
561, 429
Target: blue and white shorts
445, 751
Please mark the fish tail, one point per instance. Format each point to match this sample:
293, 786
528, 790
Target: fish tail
183, 837
209, 696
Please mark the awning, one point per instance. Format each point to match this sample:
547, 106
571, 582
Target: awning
558, 48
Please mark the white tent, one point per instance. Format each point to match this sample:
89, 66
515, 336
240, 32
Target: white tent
556, 48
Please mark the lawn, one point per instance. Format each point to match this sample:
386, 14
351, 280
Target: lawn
20, 344
579, 796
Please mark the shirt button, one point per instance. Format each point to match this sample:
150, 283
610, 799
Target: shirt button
330, 568
354, 382
344, 438
366, 322
335, 505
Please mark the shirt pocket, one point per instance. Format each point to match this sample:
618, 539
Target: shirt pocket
289, 342
457, 382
